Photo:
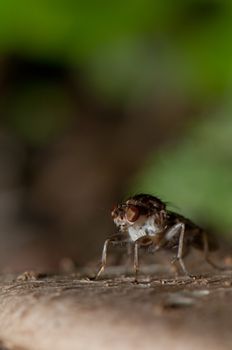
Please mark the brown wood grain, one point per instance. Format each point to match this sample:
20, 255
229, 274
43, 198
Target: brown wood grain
73, 312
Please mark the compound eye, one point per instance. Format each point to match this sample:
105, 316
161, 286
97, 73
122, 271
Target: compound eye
132, 213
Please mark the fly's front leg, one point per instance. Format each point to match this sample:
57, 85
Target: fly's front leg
103, 259
115, 239
179, 228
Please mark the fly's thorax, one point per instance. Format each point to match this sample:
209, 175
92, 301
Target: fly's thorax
144, 226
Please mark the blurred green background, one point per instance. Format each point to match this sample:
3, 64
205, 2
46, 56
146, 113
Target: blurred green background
104, 99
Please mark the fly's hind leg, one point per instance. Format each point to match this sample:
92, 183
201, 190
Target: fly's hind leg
207, 258
179, 228
115, 239
180, 250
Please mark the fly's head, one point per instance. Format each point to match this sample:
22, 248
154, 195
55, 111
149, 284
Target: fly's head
138, 210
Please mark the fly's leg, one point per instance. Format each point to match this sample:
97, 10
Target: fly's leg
103, 259
144, 241
129, 249
112, 240
136, 260
179, 228
180, 250
207, 258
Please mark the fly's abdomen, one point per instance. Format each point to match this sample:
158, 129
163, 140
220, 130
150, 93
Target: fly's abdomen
199, 237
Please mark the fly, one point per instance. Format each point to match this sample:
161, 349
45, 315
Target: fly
144, 221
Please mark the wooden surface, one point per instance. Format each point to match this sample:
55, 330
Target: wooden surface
72, 312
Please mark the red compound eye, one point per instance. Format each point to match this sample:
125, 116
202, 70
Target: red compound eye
132, 213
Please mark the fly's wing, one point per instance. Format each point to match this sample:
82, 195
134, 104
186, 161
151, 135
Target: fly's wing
193, 233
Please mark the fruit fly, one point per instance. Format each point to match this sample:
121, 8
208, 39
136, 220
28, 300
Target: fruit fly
144, 221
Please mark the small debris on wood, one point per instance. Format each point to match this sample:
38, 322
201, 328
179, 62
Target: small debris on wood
30, 276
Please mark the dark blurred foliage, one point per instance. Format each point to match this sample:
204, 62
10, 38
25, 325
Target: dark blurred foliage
103, 99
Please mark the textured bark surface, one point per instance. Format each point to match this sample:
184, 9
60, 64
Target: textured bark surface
72, 312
